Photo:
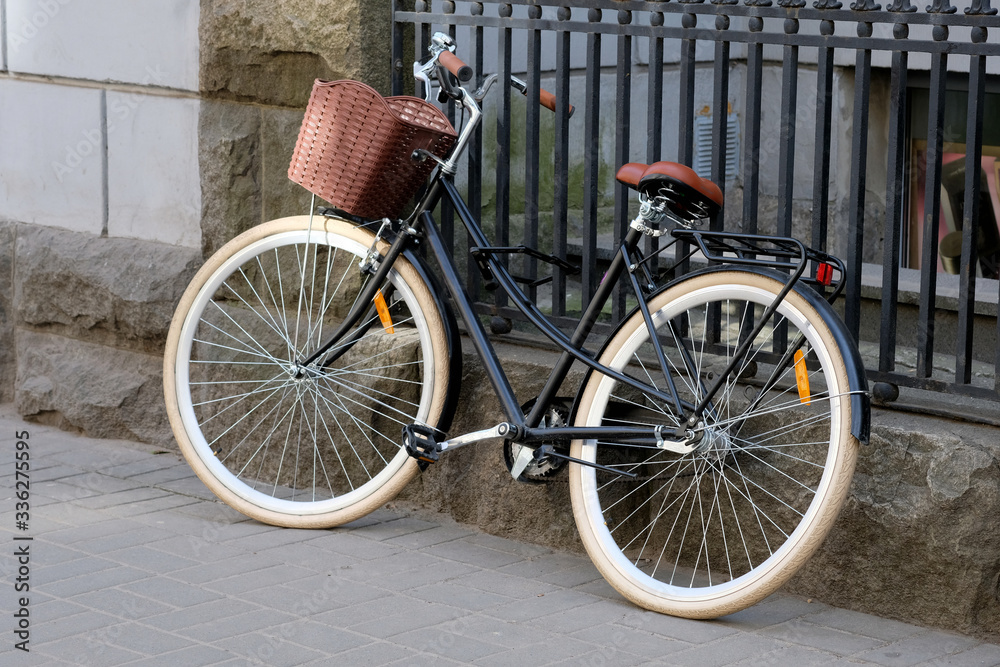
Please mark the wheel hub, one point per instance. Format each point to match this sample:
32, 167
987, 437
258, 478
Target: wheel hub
715, 443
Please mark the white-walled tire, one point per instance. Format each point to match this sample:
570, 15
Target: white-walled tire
301, 449
714, 531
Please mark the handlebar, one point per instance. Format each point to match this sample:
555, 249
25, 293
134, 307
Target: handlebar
444, 60
455, 65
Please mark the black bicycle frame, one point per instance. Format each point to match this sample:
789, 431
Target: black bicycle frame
626, 261
572, 346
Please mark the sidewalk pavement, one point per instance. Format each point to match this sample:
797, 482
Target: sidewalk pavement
131, 561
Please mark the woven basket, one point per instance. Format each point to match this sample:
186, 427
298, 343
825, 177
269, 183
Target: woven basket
354, 148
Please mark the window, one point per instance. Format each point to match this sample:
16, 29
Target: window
953, 181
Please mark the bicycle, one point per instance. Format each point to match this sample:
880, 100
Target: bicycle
709, 448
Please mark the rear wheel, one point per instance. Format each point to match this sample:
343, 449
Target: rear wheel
304, 447
714, 531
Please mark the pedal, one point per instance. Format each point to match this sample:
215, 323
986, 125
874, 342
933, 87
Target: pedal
421, 443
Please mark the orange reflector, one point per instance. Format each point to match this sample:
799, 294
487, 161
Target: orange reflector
383, 312
802, 377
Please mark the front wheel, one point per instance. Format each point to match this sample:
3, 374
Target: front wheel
714, 531
296, 446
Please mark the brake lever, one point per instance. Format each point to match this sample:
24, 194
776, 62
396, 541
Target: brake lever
480, 94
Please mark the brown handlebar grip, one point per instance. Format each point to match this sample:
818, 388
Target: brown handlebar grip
548, 100
455, 65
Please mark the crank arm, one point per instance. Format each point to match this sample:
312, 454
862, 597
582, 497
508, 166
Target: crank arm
501, 430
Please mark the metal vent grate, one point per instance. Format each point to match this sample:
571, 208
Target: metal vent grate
704, 145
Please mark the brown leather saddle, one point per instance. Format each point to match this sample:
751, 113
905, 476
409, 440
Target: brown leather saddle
688, 195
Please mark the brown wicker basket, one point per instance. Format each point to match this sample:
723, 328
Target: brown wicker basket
354, 148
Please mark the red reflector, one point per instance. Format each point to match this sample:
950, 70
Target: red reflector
824, 274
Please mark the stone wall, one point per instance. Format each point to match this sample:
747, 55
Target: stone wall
138, 138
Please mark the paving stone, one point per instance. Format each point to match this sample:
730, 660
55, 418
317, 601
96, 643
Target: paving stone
173, 473
253, 580
727, 651
510, 546
130, 538
199, 655
863, 624
375, 654
984, 655
61, 491
136, 510
232, 626
200, 614
128, 498
776, 609
101, 483
106, 527
308, 557
121, 603
542, 604
353, 543
332, 592
267, 539
505, 584
461, 596
918, 648
319, 637
799, 631
695, 632
442, 643
618, 639
431, 536
77, 624
179, 580
87, 651
413, 615
96, 581
201, 573
148, 464
388, 530
143, 639
169, 591
502, 633
69, 569
393, 565
572, 620
556, 648
261, 648
465, 551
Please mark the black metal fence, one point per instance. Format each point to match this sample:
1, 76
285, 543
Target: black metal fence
873, 133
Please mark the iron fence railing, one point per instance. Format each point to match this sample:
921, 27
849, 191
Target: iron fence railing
867, 131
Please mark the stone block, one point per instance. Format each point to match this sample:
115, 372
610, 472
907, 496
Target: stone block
106, 40
50, 173
917, 540
94, 389
7, 366
153, 176
281, 197
270, 52
230, 155
117, 292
